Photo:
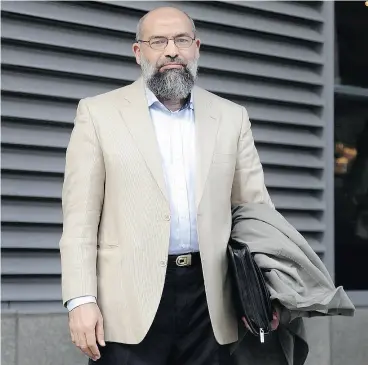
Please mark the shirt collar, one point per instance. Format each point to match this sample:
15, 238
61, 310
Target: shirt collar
152, 99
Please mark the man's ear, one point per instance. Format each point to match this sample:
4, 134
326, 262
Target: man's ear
137, 52
198, 46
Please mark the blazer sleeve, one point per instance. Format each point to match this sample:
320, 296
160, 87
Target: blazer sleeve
248, 185
82, 200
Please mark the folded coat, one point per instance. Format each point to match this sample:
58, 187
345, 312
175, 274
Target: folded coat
299, 284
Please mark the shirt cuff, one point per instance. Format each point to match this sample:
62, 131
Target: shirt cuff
76, 302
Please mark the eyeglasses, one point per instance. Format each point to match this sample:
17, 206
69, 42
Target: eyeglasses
160, 43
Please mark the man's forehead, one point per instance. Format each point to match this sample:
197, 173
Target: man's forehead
158, 25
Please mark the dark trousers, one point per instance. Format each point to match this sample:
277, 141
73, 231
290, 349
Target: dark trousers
181, 333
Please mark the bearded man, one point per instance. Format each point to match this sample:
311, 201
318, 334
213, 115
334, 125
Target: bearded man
152, 171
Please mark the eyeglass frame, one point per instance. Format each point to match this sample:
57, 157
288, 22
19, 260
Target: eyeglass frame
167, 41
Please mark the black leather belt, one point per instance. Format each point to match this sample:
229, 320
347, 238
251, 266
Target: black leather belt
185, 260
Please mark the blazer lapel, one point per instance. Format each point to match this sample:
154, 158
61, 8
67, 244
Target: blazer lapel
206, 126
135, 113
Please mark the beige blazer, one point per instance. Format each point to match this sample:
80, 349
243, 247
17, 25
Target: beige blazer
116, 212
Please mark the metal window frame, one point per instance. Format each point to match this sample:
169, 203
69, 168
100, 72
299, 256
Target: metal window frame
328, 77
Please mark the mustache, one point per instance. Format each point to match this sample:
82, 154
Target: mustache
177, 61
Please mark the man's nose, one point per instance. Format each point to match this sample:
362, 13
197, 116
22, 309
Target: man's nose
171, 50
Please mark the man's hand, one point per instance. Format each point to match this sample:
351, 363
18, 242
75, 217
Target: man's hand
86, 326
274, 323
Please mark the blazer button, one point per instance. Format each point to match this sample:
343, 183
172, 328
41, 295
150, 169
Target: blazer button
163, 263
167, 217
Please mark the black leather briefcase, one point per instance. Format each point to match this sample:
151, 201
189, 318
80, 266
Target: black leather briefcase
250, 294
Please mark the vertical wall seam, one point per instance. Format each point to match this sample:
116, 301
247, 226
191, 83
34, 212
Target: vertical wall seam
16, 338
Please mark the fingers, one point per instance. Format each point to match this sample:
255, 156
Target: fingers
92, 349
246, 324
73, 337
100, 335
86, 342
275, 321
82, 345
83, 322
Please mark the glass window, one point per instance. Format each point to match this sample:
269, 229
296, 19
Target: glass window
351, 203
351, 20
351, 146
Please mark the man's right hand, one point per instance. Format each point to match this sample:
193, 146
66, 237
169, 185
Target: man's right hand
86, 329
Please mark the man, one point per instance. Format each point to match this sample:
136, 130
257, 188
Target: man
152, 170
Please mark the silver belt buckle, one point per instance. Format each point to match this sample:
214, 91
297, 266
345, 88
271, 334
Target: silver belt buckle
184, 260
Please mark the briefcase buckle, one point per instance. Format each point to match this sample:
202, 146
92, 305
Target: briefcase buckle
184, 260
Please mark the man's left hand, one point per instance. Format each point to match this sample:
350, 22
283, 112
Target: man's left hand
275, 320
274, 323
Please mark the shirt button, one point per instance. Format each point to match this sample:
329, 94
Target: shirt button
167, 217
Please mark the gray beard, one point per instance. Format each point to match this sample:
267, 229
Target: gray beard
171, 84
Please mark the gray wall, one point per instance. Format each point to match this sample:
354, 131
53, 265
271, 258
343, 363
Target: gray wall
272, 57
37, 339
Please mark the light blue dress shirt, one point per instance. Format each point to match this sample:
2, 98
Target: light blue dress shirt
175, 133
